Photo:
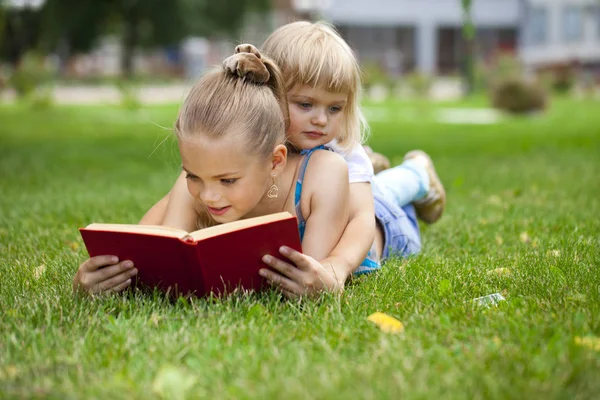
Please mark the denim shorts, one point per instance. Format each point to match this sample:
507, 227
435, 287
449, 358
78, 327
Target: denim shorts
400, 227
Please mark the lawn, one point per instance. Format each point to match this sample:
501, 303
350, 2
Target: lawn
522, 220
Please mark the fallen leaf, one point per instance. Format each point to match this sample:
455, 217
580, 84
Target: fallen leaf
591, 342
172, 383
499, 241
386, 323
525, 237
39, 271
11, 371
73, 245
500, 272
154, 318
494, 200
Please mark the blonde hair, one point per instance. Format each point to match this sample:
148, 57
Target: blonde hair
246, 95
224, 100
315, 54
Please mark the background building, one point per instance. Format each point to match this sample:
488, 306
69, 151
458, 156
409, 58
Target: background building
403, 35
561, 32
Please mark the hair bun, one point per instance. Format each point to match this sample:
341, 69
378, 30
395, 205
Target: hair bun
247, 64
247, 48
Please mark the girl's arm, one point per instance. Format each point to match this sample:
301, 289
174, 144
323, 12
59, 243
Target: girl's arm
180, 211
156, 214
358, 237
176, 209
325, 207
325, 203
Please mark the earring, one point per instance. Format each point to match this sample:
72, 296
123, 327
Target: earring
273, 190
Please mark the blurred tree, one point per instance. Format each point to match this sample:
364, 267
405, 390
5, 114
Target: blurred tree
468, 33
19, 31
67, 26
71, 26
161, 22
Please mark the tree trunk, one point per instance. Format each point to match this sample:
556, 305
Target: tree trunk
16, 38
130, 39
469, 36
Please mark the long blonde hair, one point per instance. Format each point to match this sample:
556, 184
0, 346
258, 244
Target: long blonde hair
315, 54
246, 95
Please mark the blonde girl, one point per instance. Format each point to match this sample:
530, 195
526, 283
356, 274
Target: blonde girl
322, 79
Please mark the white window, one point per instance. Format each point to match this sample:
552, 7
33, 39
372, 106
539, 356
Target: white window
598, 20
537, 26
572, 24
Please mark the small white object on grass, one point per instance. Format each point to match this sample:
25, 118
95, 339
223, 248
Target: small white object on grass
489, 300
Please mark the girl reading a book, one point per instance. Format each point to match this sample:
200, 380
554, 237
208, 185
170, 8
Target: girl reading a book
231, 136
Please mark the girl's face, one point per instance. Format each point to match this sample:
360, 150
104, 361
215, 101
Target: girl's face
224, 176
316, 115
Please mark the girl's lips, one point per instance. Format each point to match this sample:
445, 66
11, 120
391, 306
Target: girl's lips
315, 134
218, 211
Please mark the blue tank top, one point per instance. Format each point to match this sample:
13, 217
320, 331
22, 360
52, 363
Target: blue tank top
369, 264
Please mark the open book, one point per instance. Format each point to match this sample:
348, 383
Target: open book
217, 259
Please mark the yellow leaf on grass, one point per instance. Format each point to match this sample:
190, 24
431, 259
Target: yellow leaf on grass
155, 318
10, 371
173, 383
39, 271
73, 245
591, 342
386, 323
525, 237
500, 272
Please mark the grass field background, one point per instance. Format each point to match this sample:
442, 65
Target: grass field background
522, 219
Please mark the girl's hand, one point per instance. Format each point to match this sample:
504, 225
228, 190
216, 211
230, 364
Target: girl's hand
303, 276
114, 277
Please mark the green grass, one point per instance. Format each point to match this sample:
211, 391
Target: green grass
61, 169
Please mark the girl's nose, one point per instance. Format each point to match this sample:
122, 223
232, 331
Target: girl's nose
209, 196
320, 118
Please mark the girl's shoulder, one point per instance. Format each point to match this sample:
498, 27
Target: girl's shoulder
325, 167
359, 164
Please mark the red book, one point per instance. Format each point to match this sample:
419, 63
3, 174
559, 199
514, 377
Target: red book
217, 259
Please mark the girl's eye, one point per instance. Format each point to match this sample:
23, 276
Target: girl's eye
228, 181
335, 109
305, 105
190, 177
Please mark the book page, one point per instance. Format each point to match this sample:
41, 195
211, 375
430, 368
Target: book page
155, 230
238, 225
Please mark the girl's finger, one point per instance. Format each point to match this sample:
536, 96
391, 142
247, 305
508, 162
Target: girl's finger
105, 274
298, 259
121, 287
280, 281
92, 264
115, 281
288, 294
283, 267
